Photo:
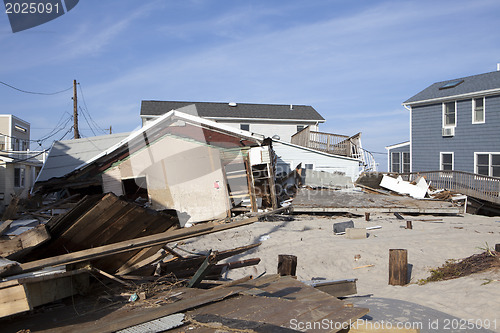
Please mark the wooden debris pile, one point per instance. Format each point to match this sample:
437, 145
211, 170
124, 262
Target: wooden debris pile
104, 235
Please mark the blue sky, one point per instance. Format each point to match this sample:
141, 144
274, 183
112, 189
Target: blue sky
355, 62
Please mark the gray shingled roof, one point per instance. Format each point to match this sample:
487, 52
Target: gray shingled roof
65, 156
241, 110
471, 84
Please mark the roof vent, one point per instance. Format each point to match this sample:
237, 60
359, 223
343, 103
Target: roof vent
233, 104
291, 107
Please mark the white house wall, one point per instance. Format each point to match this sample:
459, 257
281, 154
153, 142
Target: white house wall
180, 175
284, 130
290, 156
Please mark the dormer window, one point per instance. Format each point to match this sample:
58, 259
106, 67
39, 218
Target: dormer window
478, 110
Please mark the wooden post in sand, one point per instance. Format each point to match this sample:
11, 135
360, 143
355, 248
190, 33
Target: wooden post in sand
287, 264
367, 216
497, 247
398, 267
409, 225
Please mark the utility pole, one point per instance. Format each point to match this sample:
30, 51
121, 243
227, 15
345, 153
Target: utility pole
110, 129
75, 113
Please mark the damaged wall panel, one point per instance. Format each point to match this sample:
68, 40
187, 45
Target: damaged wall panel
180, 174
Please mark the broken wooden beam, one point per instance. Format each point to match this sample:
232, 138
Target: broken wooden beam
203, 270
138, 243
112, 277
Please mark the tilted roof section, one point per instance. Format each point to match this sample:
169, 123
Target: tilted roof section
238, 110
483, 83
65, 156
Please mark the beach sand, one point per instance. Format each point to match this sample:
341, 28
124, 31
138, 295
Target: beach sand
322, 254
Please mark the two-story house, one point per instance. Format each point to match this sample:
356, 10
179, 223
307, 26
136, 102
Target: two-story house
269, 120
454, 125
18, 165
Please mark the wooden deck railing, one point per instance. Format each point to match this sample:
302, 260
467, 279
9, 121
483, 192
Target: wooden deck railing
325, 142
471, 184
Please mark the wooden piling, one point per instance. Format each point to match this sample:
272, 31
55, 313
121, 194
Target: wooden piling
287, 264
367, 216
497, 247
398, 267
409, 225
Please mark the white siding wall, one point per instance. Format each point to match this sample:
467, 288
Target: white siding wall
284, 130
292, 155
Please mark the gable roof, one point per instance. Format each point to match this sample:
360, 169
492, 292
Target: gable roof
71, 156
65, 156
481, 84
241, 110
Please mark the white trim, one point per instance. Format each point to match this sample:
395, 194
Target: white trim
441, 160
485, 93
398, 145
443, 106
411, 133
474, 108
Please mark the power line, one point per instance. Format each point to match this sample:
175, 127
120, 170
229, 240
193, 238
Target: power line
84, 116
34, 92
88, 113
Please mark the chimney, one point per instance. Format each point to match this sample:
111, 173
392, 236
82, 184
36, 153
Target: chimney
498, 66
291, 105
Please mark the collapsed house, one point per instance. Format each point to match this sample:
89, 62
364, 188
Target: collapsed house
202, 169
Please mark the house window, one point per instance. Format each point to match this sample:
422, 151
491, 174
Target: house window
446, 161
20, 128
406, 162
487, 164
19, 177
3, 145
300, 128
478, 110
308, 166
449, 114
395, 162
245, 127
134, 188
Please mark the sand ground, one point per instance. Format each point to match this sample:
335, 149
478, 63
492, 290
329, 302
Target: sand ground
322, 254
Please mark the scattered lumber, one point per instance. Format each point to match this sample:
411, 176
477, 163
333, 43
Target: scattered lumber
20, 244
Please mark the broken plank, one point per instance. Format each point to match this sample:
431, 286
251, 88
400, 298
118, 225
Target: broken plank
20, 244
337, 288
191, 298
155, 257
5, 225
202, 270
112, 277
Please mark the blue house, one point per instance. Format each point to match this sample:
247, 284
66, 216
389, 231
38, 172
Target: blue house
454, 125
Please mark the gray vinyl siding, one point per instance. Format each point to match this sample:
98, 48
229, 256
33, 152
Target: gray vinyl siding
427, 140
